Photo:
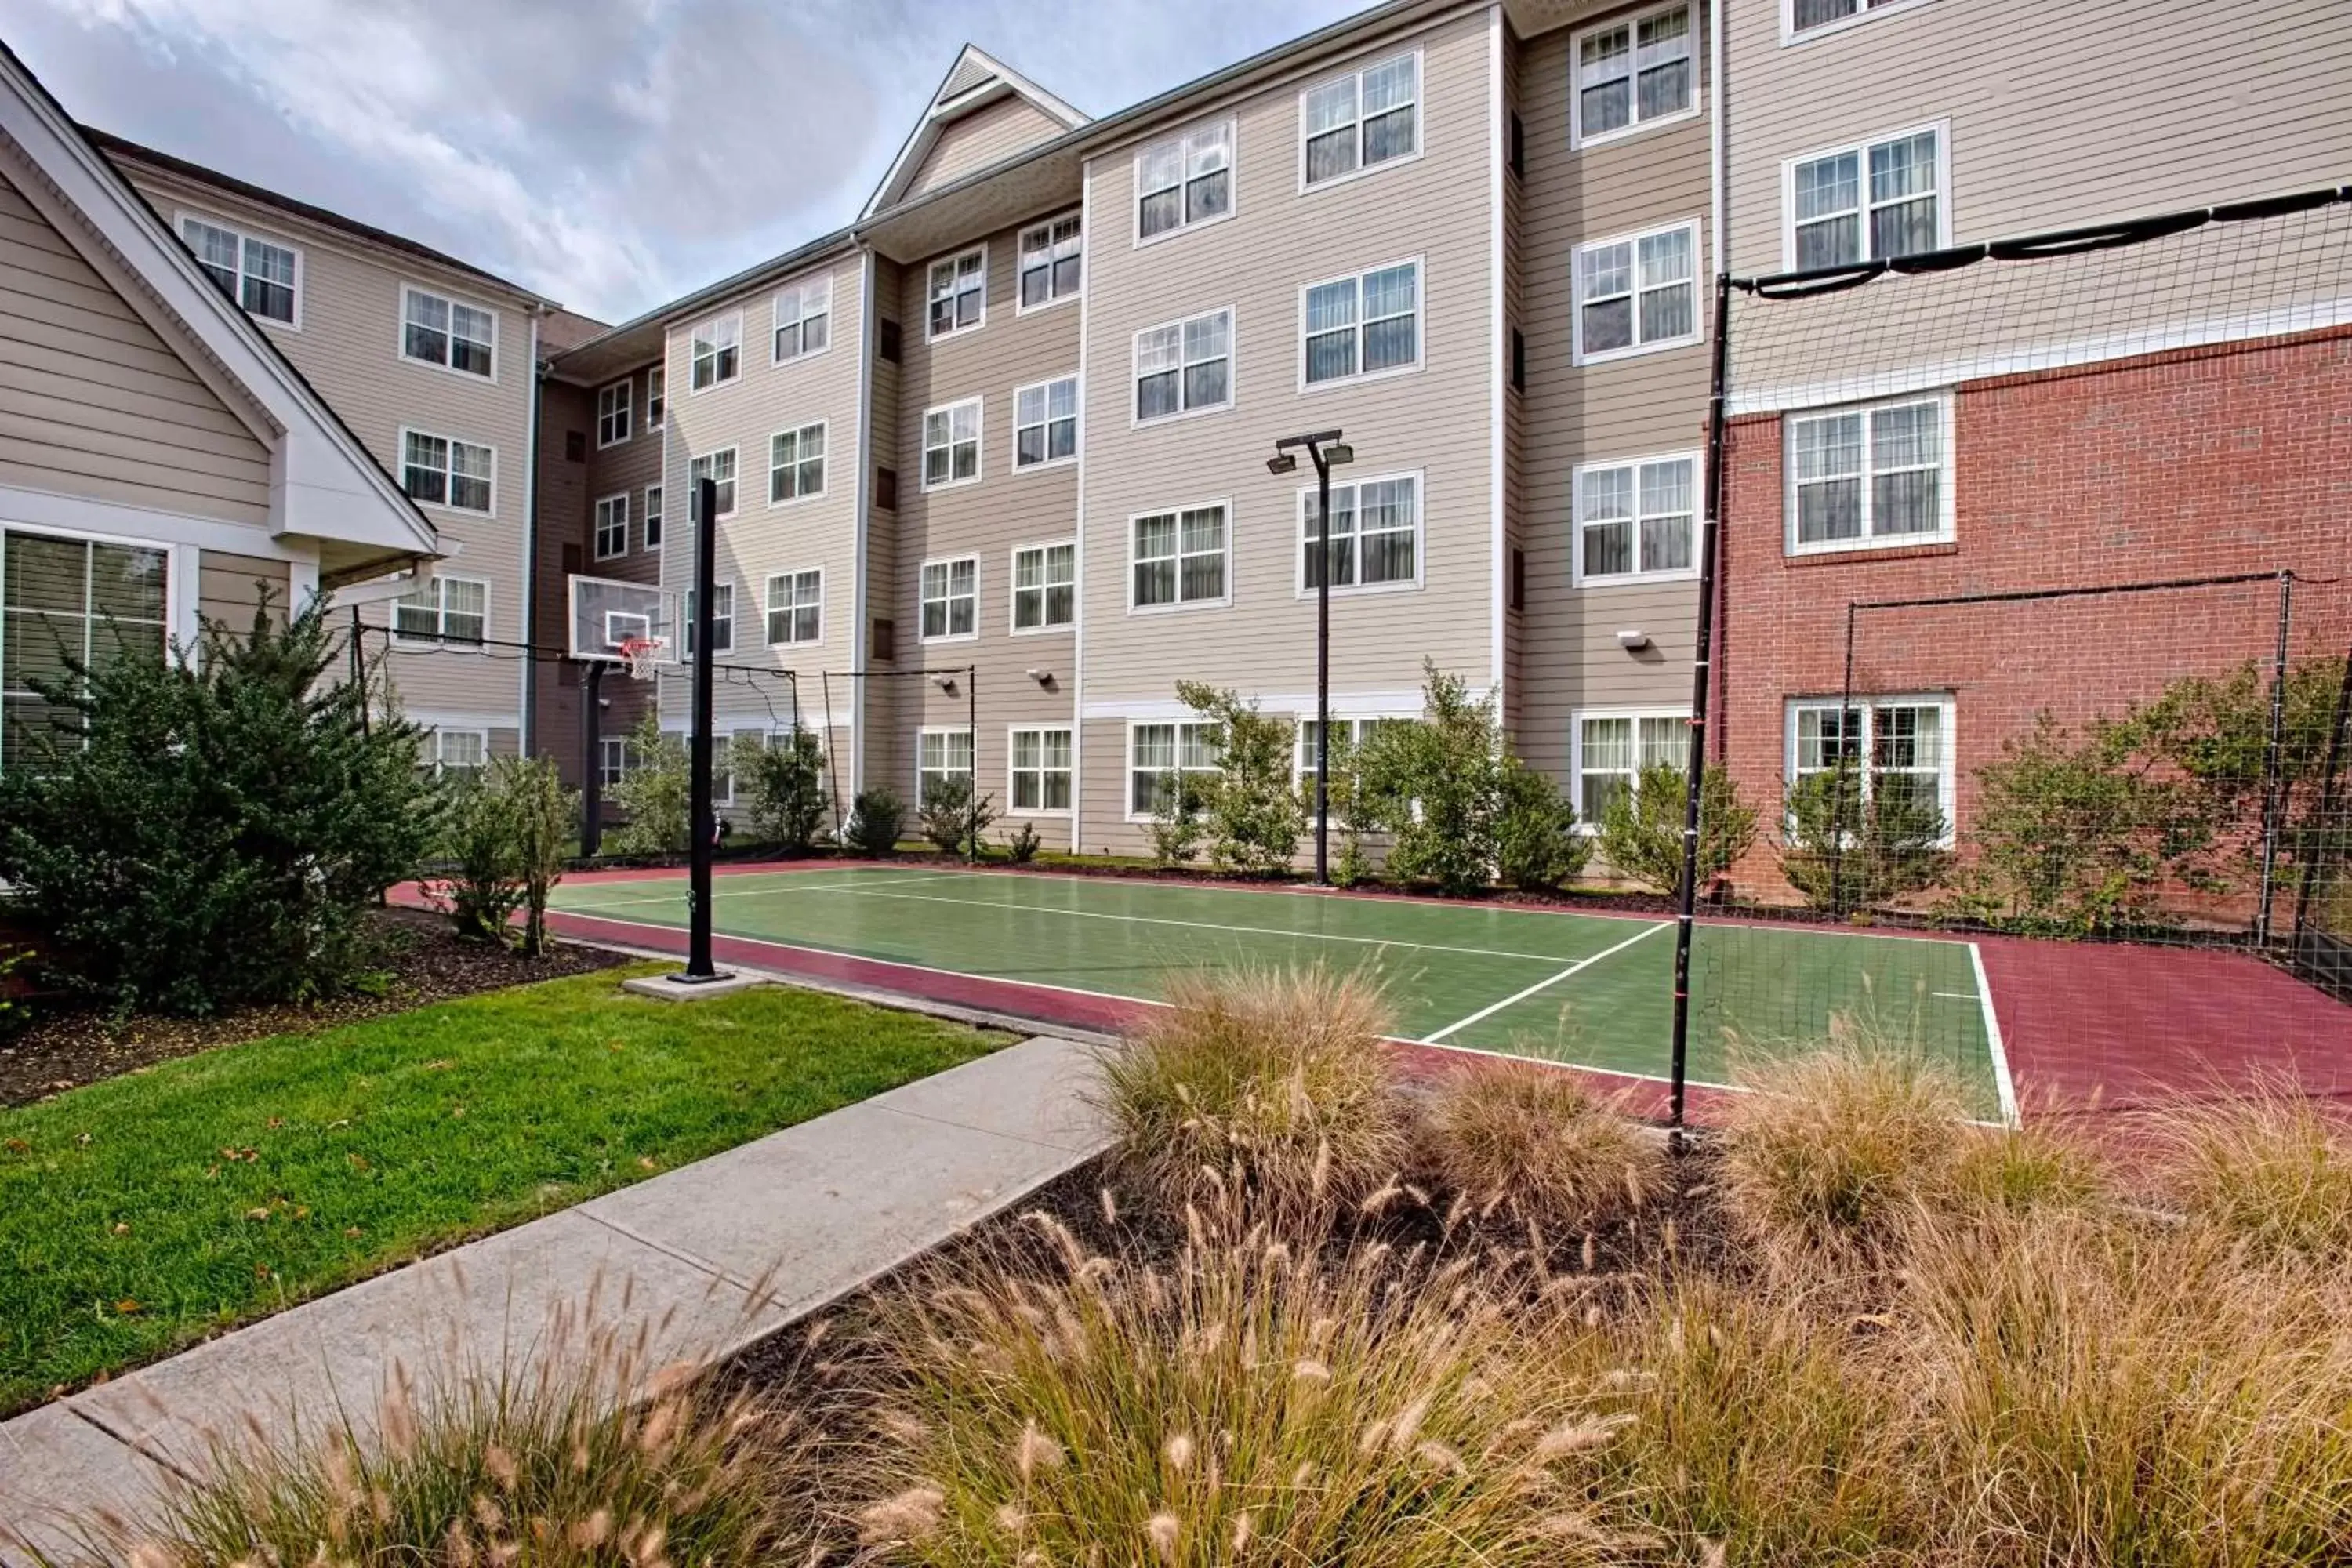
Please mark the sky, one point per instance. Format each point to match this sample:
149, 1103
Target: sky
611, 154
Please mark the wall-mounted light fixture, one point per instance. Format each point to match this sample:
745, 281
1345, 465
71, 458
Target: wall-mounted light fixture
1633, 641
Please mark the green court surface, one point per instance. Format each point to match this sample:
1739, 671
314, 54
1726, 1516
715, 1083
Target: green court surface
1590, 990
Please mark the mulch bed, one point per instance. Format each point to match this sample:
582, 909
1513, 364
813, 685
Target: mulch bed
69, 1044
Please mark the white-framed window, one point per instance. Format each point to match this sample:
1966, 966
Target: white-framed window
1375, 534
1636, 517
720, 468
1045, 587
611, 527
1045, 424
613, 415
443, 471
951, 445
1156, 753
653, 517
1365, 325
1907, 738
1876, 475
617, 759
715, 351
436, 330
455, 750
1179, 558
1637, 293
1805, 19
803, 319
958, 294
1345, 733
1039, 784
89, 599
1183, 367
261, 275
950, 593
656, 398
1608, 749
1359, 120
939, 756
1184, 181
443, 610
1052, 261
795, 607
796, 463
722, 619
1880, 198
1632, 73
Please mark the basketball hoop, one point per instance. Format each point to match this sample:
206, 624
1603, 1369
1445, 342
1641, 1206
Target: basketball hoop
640, 656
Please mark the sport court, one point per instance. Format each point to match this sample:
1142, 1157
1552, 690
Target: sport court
1589, 990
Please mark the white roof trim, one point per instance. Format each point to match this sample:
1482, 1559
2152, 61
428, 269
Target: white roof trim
996, 78
324, 483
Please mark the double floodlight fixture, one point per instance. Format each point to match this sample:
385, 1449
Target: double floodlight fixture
1323, 446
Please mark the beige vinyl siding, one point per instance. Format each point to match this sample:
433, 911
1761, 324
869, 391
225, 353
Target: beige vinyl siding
1645, 405
93, 402
229, 587
626, 467
993, 132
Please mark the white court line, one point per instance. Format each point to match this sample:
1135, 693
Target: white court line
719, 892
2001, 1083
1958, 996
1542, 985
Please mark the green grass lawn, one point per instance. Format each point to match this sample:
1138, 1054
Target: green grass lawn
141, 1214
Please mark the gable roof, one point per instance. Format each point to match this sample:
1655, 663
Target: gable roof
324, 483
976, 80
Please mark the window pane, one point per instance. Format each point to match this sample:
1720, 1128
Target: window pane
1204, 384
1904, 229
1905, 502
1829, 510
1206, 196
1666, 313
1608, 325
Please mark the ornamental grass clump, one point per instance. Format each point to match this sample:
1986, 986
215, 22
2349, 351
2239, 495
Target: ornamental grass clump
1529, 1141
2267, 1166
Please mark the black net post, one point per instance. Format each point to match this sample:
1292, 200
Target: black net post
698, 966
972, 738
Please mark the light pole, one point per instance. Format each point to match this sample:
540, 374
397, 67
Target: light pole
1325, 451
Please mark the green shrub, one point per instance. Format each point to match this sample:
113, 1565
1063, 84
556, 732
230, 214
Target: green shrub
1537, 846
1642, 828
876, 817
1176, 827
482, 842
784, 783
1435, 787
1841, 852
953, 816
1254, 818
657, 794
1021, 847
194, 835
546, 823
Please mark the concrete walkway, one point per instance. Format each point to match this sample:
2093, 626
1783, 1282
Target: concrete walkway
701, 1261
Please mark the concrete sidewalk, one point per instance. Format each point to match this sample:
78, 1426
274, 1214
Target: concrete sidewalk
702, 1260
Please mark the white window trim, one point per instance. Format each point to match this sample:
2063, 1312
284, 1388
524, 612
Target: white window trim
438, 731
915, 804
947, 561
794, 430
1181, 606
1791, 37
1948, 776
1576, 140
1067, 728
1420, 325
1419, 539
645, 506
694, 485
979, 444
692, 332
766, 609
400, 340
180, 216
1574, 791
775, 319
1352, 721
1233, 361
400, 471
595, 543
440, 639
1420, 122
1635, 351
955, 259
627, 387
733, 617
1078, 436
1012, 590
1861, 146
1127, 773
1233, 184
1947, 506
1577, 575
1021, 309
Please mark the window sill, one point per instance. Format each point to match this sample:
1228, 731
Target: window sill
931, 337
1580, 143
792, 501
1390, 373
949, 485
1050, 464
1137, 422
1165, 235
1362, 172
474, 376
1048, 812
1225, 604
1359, 590
1061, 629
948, 637
1056, 303
1580, 360
776, 364
1832, 555
1635, 579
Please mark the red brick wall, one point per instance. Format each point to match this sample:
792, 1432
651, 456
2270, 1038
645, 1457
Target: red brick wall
2196, 463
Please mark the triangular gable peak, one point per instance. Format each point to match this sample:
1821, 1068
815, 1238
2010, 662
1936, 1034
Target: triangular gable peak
983, 113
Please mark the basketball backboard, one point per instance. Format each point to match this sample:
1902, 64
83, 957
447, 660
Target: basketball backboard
606, 613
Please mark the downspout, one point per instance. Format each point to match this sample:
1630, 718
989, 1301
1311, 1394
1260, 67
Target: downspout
527, 742
868, 315
1078, 537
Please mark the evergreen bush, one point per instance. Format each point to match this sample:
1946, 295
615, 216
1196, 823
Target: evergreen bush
785, 784
657, 793
875, 819
1251, 806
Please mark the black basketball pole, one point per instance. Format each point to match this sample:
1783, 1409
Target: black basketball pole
705, 827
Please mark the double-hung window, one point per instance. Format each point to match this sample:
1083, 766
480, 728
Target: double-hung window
1053, 260
1184, 181
796, 463
1867, 203
262, 277
1635, 519
1184, 366
940, 756
795, 607
613, 415
653, 517
718, 468
439, 470
1637, 293
1040, 771
1801, 16
722, 619
71, 599
1876, 475
1361, 325
1613, 750
1362, 119
1179, 558
803, 319
951, 599
611, 527
1157, 753
1375, 534
1632, 73
1045, 587
617, 759
1347, 735
656, 398
951, 444
958, 293
445, 609
1908, 741
715, 351
456, 336
453, 751
1045, 423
